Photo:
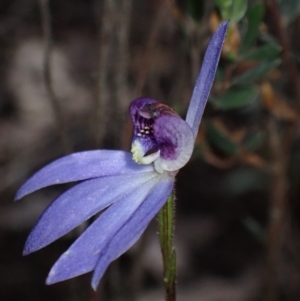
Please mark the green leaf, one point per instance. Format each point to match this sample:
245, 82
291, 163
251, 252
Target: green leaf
232, 9
266, 52
239, 8
256, 73
224, 7
236, 98
255, 141
219, 140
254, 16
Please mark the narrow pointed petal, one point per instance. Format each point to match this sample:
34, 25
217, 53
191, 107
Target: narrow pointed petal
83, 255
205, 79
78, 204
82, 166
134, 227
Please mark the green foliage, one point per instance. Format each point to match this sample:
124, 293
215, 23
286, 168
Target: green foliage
232, 9
254, 18
247, 92
252, 54
219, 140
237, 97
257, 73
254, 141
253, 136
266, 52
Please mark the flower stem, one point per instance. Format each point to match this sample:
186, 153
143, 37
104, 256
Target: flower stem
166, 233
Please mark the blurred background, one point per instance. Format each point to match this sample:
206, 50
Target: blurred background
69, 70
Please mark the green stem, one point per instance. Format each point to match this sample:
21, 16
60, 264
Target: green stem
166, 234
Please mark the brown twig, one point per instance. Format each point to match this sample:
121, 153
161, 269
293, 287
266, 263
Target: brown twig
121, 71
112, 96
47, 33
277, 213
105, 27
123, 31
145, 64
280, 149
288, 60
146, 58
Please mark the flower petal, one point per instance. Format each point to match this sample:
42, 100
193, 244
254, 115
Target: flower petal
176, 143
78, 204
82, 166
83, 255
144, 150
205, 78
134, 227
136, 109
144, 113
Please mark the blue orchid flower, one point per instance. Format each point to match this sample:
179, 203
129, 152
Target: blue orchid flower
133, 187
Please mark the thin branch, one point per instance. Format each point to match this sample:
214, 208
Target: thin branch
146, 59
145, 64
123, 53
47, 33
288, 60
277, 213
280, 147
105, 28
121, 70
290, 65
